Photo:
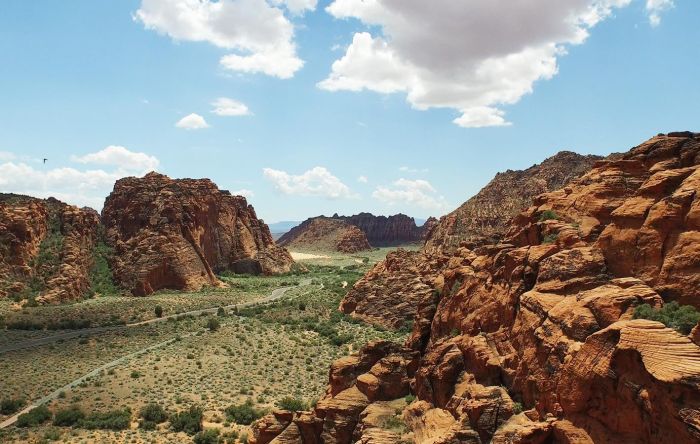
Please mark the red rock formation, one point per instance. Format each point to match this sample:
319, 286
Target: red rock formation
64, 236
544, 322
178, 233
485, 217
325, 234
398, 229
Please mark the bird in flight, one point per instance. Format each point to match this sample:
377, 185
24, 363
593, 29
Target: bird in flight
45, 159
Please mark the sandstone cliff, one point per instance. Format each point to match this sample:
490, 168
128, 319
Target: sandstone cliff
178, 233
386, 231
533, 340
46, 249
485, 217
325, 233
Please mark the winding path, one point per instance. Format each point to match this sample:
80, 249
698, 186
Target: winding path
278, 293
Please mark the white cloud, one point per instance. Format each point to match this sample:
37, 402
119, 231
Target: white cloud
655, 8
317, 181
192, 122
362, 179
257, 32
82, 188
243, 192
224, 106
407, 169
120, 157
418, 193
297, 6
6, 155
471, 56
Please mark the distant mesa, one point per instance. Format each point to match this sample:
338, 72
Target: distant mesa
360, 232
179, 233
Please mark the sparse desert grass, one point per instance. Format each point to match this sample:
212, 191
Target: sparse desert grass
262, 357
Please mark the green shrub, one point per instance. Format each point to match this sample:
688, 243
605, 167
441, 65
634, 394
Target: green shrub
153, 412
517, 408
221, 311
11, 405
244, 413
548, 215
189, 421
101, 279
213, 324
409, 398
34, 417
550, 238
208, 436
111, 420
68, 417
158, 311
292, 404
52, 435
135, 374
681, 318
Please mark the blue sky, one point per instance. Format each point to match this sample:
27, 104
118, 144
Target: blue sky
78, 76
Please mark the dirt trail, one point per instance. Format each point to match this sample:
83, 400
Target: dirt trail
276, 294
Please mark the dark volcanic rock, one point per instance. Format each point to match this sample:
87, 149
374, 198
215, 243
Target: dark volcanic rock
178, 233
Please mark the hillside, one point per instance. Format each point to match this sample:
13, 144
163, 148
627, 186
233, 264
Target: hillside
325, 234
485, 217
535, 339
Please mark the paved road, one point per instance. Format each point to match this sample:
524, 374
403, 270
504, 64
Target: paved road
276, 294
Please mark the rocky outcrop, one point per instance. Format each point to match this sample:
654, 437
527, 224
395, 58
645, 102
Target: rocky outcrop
178, 233
47, 249
533, 340
325, 234
484, 218
390, 292
382, 231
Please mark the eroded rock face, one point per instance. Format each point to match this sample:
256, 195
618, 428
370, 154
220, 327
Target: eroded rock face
46, 249
485, 218
178, 233
390, 292
533, 340
325, 234
383, 231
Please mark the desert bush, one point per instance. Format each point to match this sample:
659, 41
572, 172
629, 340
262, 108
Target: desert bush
188, 421
68, 417
213, 324
681, 318
52, 435
550, 238
292, 404
34, 417
101, 279
548, 215
244, 413
153, 412
158, 310
208, 436
111, 420
221, 311
9, 406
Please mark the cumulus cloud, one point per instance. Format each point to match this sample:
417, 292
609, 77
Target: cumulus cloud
317, 181
120, 157
243, 192
362, 179
257, 32
407, 169
6, 155
72, 185
417, 193
192, 122
223, 106
471, 56
655, 8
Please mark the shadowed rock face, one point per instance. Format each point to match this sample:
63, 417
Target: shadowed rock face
386, 231
46, 249
542, 323
484, 218
178, 233
325, 233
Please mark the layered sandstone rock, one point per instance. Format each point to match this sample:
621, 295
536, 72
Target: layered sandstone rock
533, 340
325, 234
383, 231
178, 233
46, 249
485, 217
